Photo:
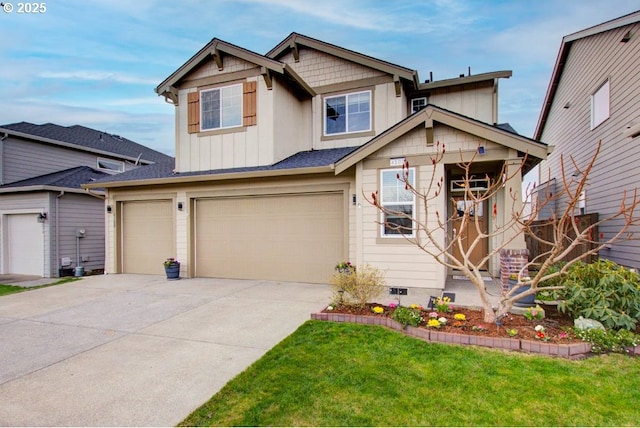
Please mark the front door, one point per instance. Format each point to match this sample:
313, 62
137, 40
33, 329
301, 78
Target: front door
476, 212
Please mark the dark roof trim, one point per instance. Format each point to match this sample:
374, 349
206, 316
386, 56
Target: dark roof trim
465, 80
431, 114
563, 53
213, 49
295, 39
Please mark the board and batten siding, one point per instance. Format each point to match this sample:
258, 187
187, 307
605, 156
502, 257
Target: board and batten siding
20, 203
475, 101
592, 61
242, 146
81, 212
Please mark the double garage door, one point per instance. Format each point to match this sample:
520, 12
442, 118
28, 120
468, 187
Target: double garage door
290, 237
293, 237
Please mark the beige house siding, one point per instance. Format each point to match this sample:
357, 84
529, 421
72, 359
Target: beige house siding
320, 69
292, 123
187, 193
477, 101
230, 64
233, 148
590, 62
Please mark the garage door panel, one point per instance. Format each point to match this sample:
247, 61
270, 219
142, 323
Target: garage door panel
147, 236
288, 237
25, 244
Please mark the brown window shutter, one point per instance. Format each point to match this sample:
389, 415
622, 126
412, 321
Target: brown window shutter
193, 112
249, 104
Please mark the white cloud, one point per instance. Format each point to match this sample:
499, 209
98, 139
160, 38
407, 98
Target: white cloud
98, 76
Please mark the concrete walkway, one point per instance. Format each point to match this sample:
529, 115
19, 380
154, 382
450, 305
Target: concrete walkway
137, 350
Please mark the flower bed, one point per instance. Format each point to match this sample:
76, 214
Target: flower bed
552, 335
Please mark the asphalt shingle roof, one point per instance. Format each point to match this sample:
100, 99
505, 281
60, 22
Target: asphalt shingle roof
305, 159
89, 138
71, 178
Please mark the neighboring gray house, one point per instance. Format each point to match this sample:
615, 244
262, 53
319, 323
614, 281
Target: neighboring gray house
594, 95
48, 223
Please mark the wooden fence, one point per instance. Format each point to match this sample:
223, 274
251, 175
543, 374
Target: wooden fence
546, 232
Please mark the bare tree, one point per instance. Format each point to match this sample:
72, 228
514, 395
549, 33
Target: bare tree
426, 234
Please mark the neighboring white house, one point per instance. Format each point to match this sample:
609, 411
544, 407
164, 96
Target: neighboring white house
48, 224
594, 95
275, 152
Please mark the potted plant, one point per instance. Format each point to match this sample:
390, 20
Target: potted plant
172, 268
524, 302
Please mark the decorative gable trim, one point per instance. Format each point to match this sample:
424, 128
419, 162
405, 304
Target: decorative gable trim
217, 49
427, 117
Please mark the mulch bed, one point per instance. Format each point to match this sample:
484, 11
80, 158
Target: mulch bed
558, 327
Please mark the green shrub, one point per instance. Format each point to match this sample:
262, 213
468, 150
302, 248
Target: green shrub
603, 341
356, 287
603, 291
407, 316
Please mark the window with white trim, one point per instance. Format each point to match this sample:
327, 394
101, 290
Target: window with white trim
110, 165
418, 104
600, 105
221, 107
347, 113
398, 201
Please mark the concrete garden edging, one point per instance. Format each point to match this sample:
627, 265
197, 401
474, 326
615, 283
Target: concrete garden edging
572, 351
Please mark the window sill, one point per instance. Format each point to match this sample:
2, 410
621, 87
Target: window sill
222, 131
347, 136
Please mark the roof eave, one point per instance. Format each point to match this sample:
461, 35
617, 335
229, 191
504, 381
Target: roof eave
475, 78
178, 179
45, 188
212, 49
432, 114
368, 61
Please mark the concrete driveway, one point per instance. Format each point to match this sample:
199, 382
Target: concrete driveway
122, 350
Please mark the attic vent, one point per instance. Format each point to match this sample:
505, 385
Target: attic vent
117, 137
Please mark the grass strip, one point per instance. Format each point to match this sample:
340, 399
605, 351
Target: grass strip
332, 374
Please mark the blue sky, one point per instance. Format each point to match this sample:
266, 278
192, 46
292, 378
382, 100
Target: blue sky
96, 63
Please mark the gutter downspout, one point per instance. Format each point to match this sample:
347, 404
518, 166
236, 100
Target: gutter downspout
4, 137
57, 223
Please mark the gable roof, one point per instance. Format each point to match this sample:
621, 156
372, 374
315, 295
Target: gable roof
214, 50
426, 117
295, 39
85, 139
305, 162
69, 180
561, 59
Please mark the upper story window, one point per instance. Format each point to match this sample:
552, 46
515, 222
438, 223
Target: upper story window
400, 203
418, 104
221, 107
110, 165
600, 105
347, 113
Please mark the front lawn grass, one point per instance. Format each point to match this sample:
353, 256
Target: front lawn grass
12, 289
331, 374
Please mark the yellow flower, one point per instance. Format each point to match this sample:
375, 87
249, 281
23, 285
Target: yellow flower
378, 309
433, 323
460, 317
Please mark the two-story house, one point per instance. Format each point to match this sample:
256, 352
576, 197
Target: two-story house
594, 95
49, 225
275, 153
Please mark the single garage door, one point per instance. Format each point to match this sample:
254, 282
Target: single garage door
297, 237
146, 235
25, 244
